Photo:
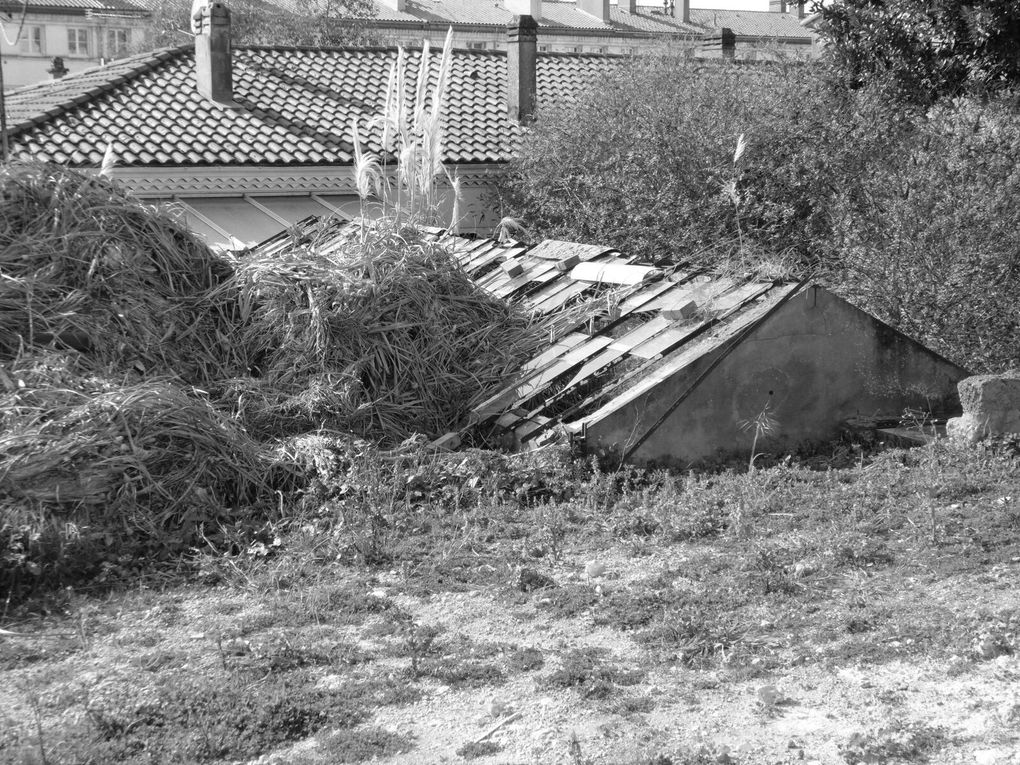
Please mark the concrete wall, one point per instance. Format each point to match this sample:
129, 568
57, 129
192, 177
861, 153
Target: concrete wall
816, 362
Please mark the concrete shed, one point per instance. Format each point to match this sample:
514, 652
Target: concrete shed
671, 367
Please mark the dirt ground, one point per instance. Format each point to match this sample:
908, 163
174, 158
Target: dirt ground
796, 701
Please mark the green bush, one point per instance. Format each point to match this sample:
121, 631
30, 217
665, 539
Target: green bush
645, 161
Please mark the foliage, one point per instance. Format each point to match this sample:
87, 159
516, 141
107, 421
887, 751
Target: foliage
927, 238
322, 23
927, 49
909, 212
646, 160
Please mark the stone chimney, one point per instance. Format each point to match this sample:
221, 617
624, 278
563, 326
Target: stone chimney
531, 8
214, 69
521, 66
597, 8
778, 6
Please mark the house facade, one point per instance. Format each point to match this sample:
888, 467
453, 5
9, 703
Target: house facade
594, 26
42, 41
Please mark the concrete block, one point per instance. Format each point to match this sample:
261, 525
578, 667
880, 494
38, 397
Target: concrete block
685, 311
567, 263
991, 406
513, 267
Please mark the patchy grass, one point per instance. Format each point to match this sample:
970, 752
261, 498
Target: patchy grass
722, 578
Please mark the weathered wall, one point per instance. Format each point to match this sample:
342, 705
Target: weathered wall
816, 362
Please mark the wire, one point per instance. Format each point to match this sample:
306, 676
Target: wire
21, 25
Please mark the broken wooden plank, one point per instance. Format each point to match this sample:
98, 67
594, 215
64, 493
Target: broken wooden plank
555, 249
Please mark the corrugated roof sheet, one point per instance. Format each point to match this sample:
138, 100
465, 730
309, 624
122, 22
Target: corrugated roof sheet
295, 107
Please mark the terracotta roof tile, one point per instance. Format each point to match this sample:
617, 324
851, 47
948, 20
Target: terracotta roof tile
295, 107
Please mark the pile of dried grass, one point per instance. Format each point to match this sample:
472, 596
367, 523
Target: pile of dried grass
377, 331
84, 266
147, 457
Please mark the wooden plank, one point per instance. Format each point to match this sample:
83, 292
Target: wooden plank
554, 351
485, 256
667, 341
561, 297
614, 273
554, 249
647, 293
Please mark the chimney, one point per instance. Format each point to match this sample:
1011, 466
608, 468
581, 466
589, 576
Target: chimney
687, 11
721, 45
597, 8
531, 8
57, 68
395, 5
627, 6
801, 9
210, 21
521, 64
778, 6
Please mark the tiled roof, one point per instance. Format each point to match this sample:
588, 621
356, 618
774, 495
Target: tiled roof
295, 107
88, 5
565, 16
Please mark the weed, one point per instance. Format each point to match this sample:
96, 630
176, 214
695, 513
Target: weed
589, 671
525, 660
569, 600
910, 742
362, 744
475, 749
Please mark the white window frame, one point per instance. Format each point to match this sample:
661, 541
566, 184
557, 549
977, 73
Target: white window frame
33, 41
76, 37
113, 48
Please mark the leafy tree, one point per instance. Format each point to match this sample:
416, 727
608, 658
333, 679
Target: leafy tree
927, 48
322, 23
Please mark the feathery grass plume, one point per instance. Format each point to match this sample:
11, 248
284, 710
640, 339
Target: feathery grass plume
741, 145
367, 171
109, 161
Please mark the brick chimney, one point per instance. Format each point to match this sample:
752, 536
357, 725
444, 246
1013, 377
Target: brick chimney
214, 70
521, 65
597, 8
531, 8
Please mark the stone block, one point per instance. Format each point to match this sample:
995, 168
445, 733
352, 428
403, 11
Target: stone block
991, 406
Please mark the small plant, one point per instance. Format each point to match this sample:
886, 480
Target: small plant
902, 742
763, 425
472, 750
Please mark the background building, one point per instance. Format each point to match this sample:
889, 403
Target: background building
81, 33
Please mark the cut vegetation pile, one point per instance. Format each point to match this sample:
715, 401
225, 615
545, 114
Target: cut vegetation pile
110, 314
86, 267
381, 334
